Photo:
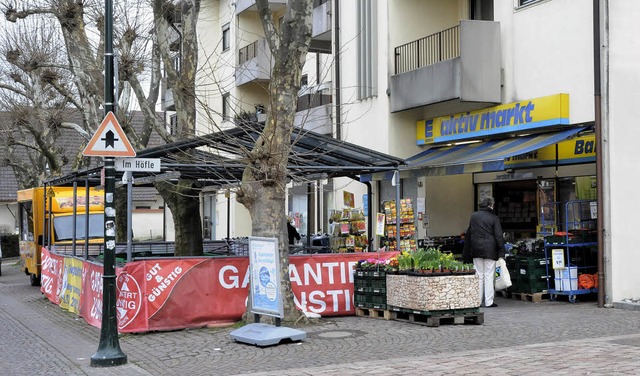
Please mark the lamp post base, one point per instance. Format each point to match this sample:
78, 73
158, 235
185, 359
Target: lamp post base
108, 358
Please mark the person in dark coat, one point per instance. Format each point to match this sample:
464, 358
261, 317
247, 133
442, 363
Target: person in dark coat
293, 233
484, 244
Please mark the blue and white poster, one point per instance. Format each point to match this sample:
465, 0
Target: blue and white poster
264, 262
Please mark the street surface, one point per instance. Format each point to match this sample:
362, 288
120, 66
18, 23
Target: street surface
517, 338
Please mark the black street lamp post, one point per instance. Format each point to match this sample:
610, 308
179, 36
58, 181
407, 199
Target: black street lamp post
109, 353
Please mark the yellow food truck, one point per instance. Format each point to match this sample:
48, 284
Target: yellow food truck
48, 219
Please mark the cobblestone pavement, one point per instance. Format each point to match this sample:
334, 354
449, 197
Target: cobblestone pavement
517, 338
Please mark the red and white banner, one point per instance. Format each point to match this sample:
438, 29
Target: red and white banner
168, 294
51, 275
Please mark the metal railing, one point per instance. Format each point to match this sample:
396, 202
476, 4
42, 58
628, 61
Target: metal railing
429, 50
247, 53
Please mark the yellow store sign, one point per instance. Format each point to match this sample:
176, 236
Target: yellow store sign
522, 116
577, 150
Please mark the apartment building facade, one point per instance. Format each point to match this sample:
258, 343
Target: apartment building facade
384, 74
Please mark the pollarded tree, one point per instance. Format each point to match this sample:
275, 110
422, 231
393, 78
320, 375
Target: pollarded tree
35, 96
81, 25
263, 190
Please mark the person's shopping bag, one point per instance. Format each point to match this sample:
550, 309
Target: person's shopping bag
503, 279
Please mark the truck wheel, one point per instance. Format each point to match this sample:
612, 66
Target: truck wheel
35, 281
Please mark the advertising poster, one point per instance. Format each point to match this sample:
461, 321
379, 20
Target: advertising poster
349, 199
264, 261
71, 285
380, 224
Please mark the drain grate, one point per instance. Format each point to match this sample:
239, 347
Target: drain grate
337, 334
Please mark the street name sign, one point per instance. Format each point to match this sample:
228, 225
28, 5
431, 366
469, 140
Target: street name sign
138, 164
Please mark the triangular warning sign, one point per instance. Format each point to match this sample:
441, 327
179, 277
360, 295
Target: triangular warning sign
109, 140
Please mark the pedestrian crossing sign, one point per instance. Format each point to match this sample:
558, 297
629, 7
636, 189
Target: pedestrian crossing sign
109, 140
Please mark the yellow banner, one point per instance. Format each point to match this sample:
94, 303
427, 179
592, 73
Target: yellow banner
71, 285
513, 117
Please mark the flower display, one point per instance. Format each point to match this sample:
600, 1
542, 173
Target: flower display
427, 260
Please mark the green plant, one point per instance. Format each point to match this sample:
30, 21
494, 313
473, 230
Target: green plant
405, 261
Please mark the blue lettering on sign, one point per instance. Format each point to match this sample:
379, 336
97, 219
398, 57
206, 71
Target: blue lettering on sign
461, 124
428, 129
584, 147
508, 116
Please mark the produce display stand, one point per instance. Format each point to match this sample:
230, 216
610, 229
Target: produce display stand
435, 318
426, 299
571, 248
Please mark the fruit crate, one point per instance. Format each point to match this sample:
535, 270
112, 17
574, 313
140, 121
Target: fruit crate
370, 289
530, 274
532, 262
370, 300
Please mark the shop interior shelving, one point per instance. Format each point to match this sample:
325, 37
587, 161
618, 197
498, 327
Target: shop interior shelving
575, 233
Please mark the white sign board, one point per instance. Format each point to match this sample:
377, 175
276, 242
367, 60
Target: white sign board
264, 262
138, 164
557, 258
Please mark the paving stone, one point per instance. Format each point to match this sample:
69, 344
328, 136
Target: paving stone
517, 338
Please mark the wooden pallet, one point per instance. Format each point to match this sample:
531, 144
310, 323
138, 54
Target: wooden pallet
436, 319
375, 313
535, 297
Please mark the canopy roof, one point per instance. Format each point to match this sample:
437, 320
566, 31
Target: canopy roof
483, 156
220, 158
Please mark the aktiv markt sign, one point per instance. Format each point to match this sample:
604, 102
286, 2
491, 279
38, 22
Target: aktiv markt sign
109, 140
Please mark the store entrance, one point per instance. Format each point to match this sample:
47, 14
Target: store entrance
517, 209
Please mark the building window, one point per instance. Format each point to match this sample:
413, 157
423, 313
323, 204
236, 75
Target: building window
226, 37
304, 81
226, 106
522, 3
173, 124
367, 48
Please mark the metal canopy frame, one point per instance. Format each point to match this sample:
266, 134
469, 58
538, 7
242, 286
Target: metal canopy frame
221, 159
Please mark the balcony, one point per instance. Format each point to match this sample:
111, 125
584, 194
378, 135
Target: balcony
322, 24
457, 67
313, 111
250, 5
254, 63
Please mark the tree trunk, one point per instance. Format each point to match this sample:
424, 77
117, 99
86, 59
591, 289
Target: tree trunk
121, 214
264, 179
183, 200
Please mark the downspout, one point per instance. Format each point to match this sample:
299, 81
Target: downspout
228, 196
336, 53
369, 215
397, 180
599, 148
309, 213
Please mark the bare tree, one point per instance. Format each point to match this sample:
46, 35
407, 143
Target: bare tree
35, 94
141, 53
264, 180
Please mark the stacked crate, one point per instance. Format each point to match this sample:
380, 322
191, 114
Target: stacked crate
370, 289
529, 273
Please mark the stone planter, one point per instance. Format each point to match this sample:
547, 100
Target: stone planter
433, 293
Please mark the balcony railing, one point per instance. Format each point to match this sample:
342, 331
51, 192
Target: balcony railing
247, 53
429, 50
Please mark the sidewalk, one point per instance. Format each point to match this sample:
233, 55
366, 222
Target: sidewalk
517, 338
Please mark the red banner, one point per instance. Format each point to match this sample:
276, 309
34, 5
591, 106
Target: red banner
91, 297
51, 275
168, 294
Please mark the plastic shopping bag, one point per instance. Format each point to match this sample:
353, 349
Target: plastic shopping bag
503, 279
